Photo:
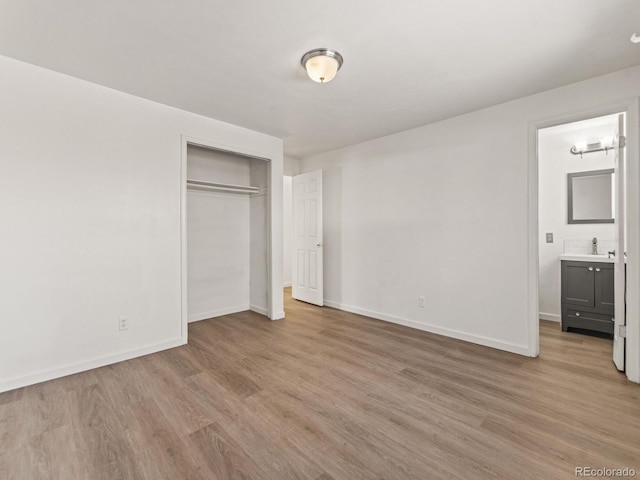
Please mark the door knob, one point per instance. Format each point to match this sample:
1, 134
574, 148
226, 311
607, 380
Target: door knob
591, 269
577, 314
597, 269
318, 244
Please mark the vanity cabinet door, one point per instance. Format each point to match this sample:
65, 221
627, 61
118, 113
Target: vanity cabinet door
604, 290
578, 283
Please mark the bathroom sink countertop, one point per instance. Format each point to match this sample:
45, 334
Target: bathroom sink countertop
584, 257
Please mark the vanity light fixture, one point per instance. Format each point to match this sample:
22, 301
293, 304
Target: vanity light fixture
321, 64
603, 145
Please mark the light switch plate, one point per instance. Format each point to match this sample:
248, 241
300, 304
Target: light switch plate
549, 237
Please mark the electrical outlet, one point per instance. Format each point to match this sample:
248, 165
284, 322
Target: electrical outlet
421, 302
549, 237
123, 323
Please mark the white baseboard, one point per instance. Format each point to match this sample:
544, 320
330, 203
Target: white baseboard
196, 317
44, 375
447, 332
287, 284
552, 317
260, 310
228, 311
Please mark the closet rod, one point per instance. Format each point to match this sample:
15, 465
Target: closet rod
225, 187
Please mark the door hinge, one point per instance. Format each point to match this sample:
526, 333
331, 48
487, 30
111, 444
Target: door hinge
622, 141
622, 331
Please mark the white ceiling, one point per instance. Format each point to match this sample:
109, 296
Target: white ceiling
407, 63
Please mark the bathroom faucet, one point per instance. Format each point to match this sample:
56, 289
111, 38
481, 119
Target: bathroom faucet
594, 246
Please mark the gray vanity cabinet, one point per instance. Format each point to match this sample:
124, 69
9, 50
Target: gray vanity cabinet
605, 292
578, 284
587, 296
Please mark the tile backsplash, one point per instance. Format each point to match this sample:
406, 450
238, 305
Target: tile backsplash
584, 246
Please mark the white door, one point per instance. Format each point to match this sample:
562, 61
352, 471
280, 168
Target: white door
307, 248
620, 278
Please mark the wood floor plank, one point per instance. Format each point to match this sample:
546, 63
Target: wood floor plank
183, 410
40, 456
413, 431
99, 434
328, 395
11, 396
160, 451
262, 434
223, 456
325, 476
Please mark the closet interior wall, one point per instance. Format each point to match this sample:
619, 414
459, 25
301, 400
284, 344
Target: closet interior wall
226, 235
259, 248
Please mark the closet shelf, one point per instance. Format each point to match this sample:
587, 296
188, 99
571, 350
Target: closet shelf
222, 187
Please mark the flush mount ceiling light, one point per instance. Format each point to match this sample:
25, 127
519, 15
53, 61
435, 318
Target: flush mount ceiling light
321, 64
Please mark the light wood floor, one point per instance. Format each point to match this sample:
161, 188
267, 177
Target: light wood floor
328, 395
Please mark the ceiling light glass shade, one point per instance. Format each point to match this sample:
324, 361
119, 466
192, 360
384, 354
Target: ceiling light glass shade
322, 64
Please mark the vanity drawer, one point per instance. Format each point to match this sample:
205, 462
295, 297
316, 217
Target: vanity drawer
587, 320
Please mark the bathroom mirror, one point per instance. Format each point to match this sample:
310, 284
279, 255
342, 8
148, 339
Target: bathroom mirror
590, 196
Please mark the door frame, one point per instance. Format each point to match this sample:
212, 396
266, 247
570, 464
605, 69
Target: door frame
630, 107
274, 219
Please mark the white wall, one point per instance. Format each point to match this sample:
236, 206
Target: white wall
442, 211
91, 205
287, 224
555, 162
218, 236
291, 166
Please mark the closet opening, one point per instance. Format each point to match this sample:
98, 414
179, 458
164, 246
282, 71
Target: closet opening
226, 232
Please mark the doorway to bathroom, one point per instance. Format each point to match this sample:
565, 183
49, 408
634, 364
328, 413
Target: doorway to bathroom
581, 238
